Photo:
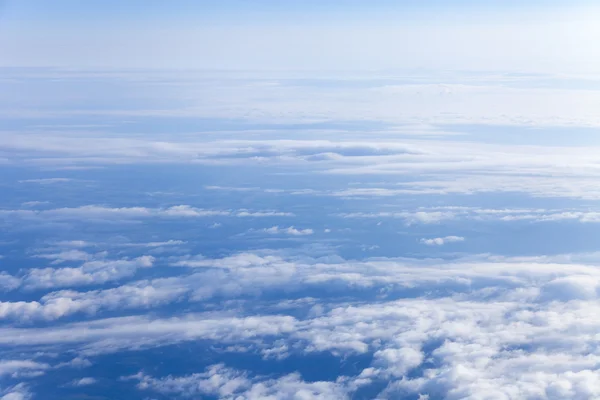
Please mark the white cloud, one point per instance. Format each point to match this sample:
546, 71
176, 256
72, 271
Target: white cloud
17, 392
9, 282
136, 295
47, 181
427, 215
167, 243
63, 256
83, 382
245, 213
480, 347
77, 362
227, 383
410, 217
442, 166
90, 272
276, 230
73, 243
116, 334
95, 212
440, 241
187, 211
534, 279
491, 276
22, 368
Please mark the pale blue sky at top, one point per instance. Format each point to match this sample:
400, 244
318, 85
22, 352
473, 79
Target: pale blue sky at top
138, 9
556, 36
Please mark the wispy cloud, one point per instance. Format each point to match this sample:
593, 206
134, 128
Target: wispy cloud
83, 382
47, 181
102, 212
290, 230
440, 241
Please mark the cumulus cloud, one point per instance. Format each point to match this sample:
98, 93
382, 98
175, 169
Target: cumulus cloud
440, 241
254, 273
227, 383
536, 280
89, 273
9, 282
55, 305
467, 356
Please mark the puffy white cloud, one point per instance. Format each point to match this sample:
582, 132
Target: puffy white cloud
9, 282
142, 294
573, 287
502, 348
91, 272
398, 361
216, 381
227, 383
521, 327
256, 272
539, 280
475, 347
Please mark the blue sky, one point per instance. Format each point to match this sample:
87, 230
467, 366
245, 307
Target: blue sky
307, 200
532, 36
44, 10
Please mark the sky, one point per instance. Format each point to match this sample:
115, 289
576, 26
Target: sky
540, 36
299, 200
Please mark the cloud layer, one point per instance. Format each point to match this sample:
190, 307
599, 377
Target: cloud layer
284, 236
